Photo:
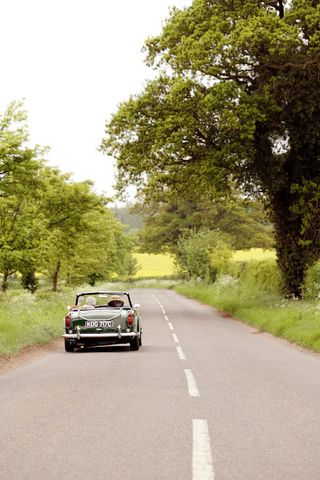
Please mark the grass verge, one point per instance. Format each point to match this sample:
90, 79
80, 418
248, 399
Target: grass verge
295, 320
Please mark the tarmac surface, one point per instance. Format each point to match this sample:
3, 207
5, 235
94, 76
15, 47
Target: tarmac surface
204, 398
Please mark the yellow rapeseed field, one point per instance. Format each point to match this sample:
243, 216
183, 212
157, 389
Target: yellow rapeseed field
162, 265
154, 265
254, 254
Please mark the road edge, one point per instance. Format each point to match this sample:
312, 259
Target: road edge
9, 363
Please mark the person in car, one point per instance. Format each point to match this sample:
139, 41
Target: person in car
115, 301
90, 302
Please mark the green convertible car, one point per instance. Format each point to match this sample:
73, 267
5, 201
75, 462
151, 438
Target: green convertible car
102, 318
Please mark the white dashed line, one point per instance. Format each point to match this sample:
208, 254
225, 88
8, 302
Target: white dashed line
175, 338
180, 353
164, 312
166, 318
202, 467
170, 326
192, 384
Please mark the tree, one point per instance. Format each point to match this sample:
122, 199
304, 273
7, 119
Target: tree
240, 103
20, 167
127, 216
65, 205
202, 254
243, 220
102, 249
82, 241
19, 164
20, 234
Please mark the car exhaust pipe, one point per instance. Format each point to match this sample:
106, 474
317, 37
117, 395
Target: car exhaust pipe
72, 341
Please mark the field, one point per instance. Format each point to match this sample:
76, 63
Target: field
154, 265
162, 265
254, 254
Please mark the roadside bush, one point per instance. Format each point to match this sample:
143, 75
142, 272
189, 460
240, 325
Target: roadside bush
257, 275
201, 254
312, 282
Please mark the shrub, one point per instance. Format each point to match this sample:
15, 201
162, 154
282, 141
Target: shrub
201, 254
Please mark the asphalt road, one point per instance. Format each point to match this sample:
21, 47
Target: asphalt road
204, 398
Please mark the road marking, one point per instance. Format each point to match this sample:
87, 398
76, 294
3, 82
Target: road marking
202, 467
180, 353
170, 326
192, 384
175, 338
166, 318
164, 312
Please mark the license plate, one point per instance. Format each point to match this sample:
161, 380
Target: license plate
98, 323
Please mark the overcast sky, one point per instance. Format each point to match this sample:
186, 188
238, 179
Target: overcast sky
73, 61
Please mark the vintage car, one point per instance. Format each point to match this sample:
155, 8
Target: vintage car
102, 318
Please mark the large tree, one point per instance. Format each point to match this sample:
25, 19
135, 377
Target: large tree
64, 205
237, 99
20, 185
243, 220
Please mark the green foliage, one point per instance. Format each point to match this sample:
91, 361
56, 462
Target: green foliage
29, 280
263, 275
31, 319
128, 217
19, 164
240, 102
201, 254
312, 282
242, 219
49, 223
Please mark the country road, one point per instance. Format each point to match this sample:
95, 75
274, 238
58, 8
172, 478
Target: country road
204, 398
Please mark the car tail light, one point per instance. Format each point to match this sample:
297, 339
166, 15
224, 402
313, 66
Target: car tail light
68, 321
130, 320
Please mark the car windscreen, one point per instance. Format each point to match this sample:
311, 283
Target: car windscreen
103, 300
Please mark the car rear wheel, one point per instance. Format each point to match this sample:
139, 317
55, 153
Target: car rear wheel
134, 344
140, 340
67, 346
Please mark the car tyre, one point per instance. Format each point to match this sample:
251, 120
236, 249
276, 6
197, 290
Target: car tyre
134, 344
140, 339
68, 347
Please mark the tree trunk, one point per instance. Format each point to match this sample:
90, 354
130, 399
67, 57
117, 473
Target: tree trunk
55, 276
294, 255
4, 284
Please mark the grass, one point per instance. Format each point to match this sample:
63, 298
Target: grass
28, 319
294, 320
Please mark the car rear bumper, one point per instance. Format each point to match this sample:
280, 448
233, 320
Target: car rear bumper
79, 335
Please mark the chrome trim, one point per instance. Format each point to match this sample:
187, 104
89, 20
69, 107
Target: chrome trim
100, 335
78, 329
119, 331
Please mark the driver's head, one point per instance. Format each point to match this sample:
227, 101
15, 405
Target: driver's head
115, 301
